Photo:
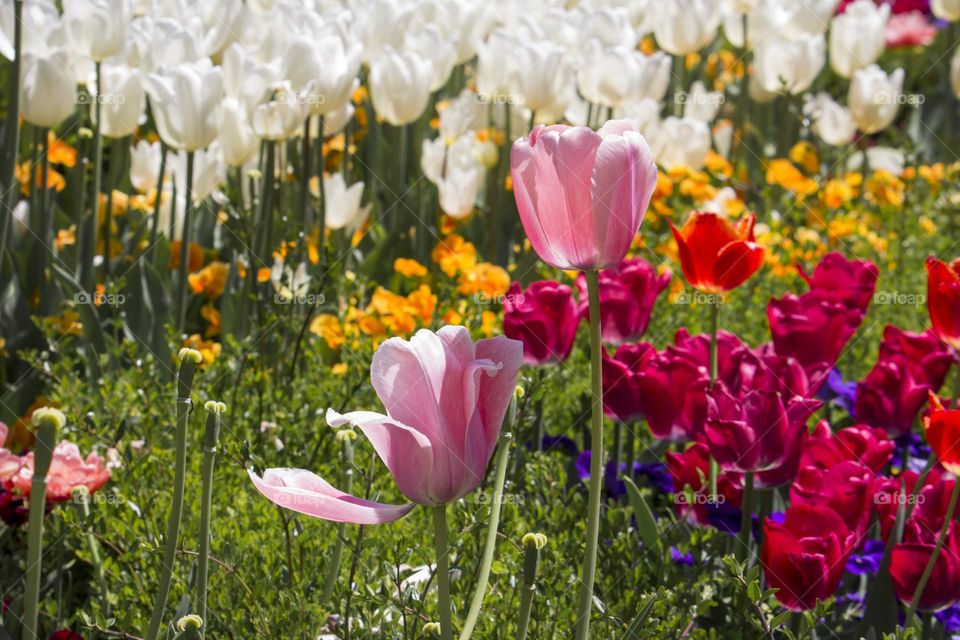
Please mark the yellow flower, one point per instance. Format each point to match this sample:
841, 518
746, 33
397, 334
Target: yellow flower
328, 327
783, 173
210, 280
804, 154
927, 225
55, 181
933, 174
59, 152
488, 322
66, 237
489, 279
209, 349
837, 193
718, 164
885, 189
212, 315
66, 324
409, 267
454, 254
339, 369
194, 256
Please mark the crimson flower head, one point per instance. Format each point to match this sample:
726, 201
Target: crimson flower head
627, 295
544, 317
847, 487
804, 557
582, 194
943, 299
850, 282
621, 376
910, 558
942, 429
861, 443
715, 255
689, 470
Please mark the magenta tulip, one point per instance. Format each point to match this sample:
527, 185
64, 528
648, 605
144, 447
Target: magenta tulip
582, 194
622, 399
627, 294
544, 317
446, 398
850, 282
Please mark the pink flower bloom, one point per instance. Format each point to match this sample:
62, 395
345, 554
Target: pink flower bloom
622, 399
627, 295
861, 443
910, 30
847, 488
9, 462
544, 318
446, 398
68, 470
582, 194
851, 282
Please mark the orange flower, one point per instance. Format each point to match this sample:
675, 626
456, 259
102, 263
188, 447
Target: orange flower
194, 256
209, 349
409, 268
454, 255
210, 280
942, 430
212, 315
488, 279
328, 327
715, 255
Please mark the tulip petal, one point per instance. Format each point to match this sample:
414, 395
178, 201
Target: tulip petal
305, 492
735, 263
523, 171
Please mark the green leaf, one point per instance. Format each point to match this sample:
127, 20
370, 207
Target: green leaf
646, 524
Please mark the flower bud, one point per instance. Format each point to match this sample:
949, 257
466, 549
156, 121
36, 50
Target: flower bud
48, 415
431, 629
215, 407
345, 435
193, 354
537, 540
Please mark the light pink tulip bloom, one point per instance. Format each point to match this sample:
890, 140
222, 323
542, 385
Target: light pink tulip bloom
582, 194
9, 461
446, 398
68, 470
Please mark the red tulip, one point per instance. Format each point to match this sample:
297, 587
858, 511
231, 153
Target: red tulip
757, 431
860, 443
582, 194
942, 430
850, 282
846, 487
544, 318
943, 299
928, 359
890, 397
690, 470
804, 557
930, 504
910, 558
627, 295
715, 255
622, 399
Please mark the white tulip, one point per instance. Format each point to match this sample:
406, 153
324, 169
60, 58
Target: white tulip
645, 116
545, 81
342, 203
955, 72
617, 77
462, 114
700, 104
323, 71
122, 100
858, 36
874, 98
165, 41
948, 10
145, 165
681, 142
686, 26
333, 123
462, 23
742, 6
384, 24
48, 90
209, 172
289, 284
39, 18
238, 142
611, 27
809, 17
186, 104
879, 159
400, 86
430, 44
832, 122
457, 170
96, 29
247, 79
789, 65
281, 117
766, 21
498, 67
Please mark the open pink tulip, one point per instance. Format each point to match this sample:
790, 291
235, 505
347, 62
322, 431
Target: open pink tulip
446, 398
582, 194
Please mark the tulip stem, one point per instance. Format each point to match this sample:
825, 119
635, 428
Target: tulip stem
931, 563
185, 246
184, 404
43, 456
443, 571
491, 541
158, 198
596, 460
746, 519
89, 247
714, 326
211, 434
11, 134
528, 587
306, 164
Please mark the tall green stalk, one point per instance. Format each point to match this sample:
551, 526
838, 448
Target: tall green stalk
189, 359
47, 423
596, 460
443, 571
532, 543
185, 246
214, 409
490, 543
306, 168
11, 133
88, 247
157, 202
931, 563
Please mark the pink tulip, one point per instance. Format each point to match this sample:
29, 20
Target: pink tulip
9, 461
627, 295
582, 194
68, 471
446, 398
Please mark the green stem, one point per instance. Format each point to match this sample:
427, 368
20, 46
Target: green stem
206, 501
185, 246
43, 455
931, 563
529, 587
491, 542
89, 248
184, 405
596, 460
333, 569
322, 204
443, 570
714, 326
746, 521
94, 548
306, 168
11, 134
158, 201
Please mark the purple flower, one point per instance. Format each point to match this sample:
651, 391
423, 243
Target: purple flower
682, 559
868, 560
